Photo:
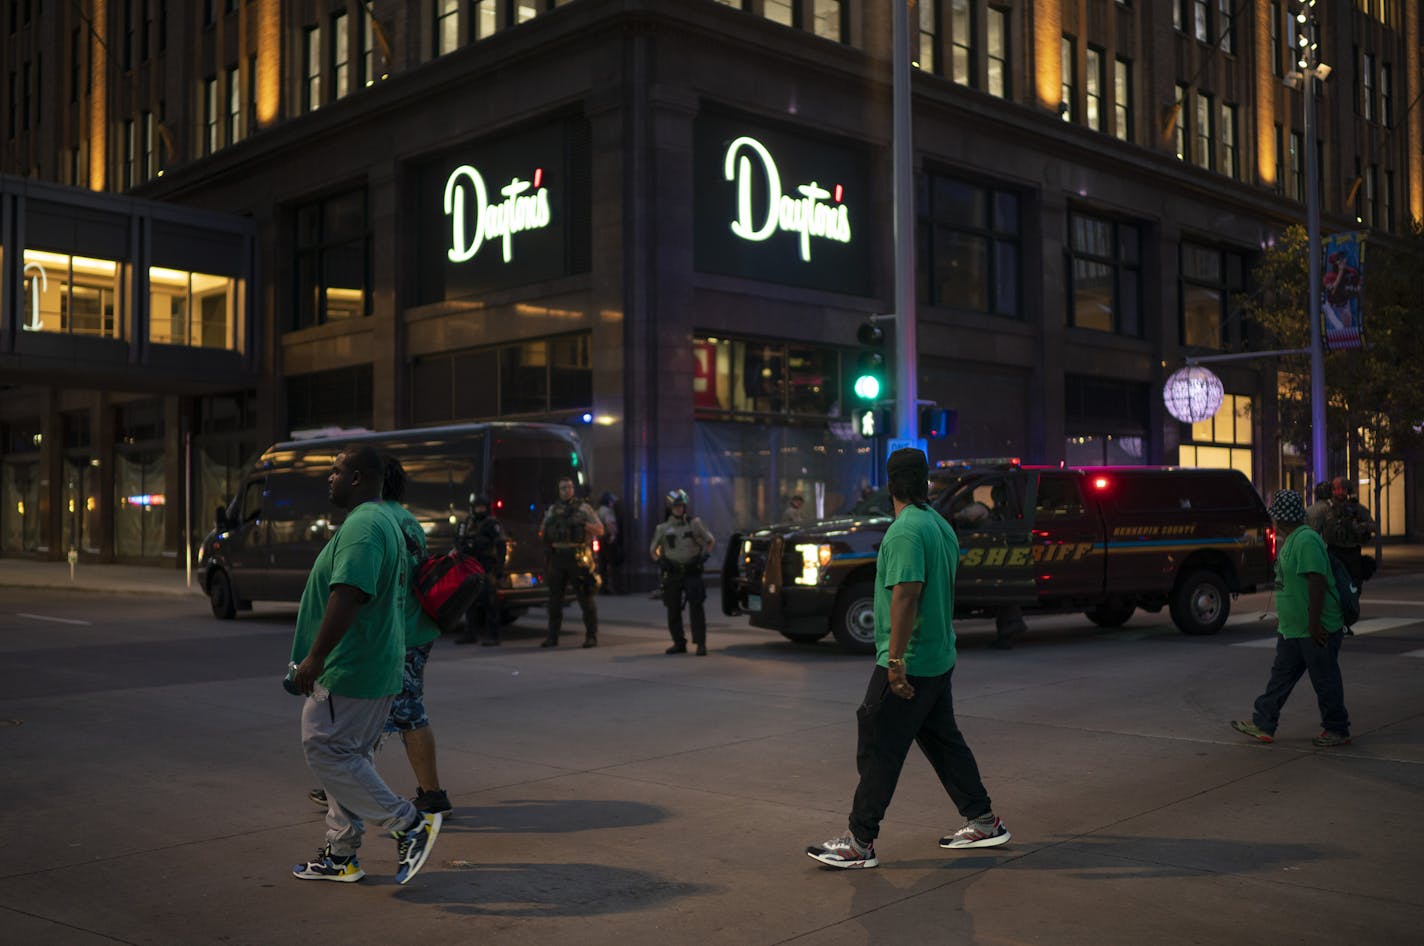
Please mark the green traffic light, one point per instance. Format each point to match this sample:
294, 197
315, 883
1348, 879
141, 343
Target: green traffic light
867, 387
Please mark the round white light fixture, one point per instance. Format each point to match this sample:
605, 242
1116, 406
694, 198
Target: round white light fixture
1192, 394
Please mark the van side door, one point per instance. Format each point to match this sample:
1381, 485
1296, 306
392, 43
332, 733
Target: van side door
1068, 557
995, 560
245, 545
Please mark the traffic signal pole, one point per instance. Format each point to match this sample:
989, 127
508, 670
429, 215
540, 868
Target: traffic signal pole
907, 424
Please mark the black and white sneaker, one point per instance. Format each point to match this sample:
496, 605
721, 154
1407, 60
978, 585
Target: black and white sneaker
988, 831
343, 870
843, 852
414, 844
318, 796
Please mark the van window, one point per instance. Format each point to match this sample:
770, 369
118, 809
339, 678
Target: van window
1183, 491
525, 469
439, 481
299, 505
1058, 498
249, 504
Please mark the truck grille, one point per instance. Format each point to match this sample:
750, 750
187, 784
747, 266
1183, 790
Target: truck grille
754, 561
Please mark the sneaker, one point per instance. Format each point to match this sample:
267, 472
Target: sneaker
1248, 728
430, 803
1328, 740
989, 831
413, 845
844, 852
343, 870
549, 642
318, 796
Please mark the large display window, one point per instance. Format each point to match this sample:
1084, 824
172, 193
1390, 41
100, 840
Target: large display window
72, 295
194, 309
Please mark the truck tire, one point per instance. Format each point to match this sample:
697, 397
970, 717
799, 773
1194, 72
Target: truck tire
1110, 615
853, 621
220, 595
804, 638
1201, 603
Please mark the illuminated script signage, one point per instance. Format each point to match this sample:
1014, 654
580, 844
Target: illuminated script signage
39, 284
780, 204
810, 215
525, 207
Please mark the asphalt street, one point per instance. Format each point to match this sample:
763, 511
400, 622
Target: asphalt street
154, 791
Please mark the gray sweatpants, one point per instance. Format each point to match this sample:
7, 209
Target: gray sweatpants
339, 736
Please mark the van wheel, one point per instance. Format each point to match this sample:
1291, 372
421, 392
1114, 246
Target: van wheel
804, 638
1201, 603
853, 622
1110, 615
220, 595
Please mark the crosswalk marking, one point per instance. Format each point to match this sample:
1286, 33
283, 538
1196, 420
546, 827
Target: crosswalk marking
1370, 626
1370, 599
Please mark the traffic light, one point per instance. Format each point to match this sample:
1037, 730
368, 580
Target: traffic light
936, 423
870, 363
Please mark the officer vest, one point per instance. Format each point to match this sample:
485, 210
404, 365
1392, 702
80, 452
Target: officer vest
565, 525
679, 541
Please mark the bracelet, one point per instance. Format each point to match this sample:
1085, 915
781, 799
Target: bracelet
894, 663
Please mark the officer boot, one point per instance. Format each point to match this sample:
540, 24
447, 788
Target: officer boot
590, 640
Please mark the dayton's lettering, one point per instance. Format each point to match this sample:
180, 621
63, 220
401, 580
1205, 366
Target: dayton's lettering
808, 216
515, 214
35, 324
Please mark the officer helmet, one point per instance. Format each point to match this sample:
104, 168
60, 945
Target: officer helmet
479, 499
677, 496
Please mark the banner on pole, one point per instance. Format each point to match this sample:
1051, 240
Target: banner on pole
1341, 289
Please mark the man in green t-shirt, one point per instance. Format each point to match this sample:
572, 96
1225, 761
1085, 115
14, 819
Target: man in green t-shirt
1310, 626
909, 699
349, 650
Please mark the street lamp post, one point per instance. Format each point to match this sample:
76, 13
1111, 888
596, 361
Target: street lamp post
906, 381
1310, 68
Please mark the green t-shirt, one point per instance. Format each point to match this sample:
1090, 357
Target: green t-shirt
919, 546
1303, 553
367, 553
420, 628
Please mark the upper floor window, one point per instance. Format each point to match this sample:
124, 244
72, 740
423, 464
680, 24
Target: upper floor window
927, 50
997, 49
778, 11
961, 37
1209, 278
828, 19
210, 114
1372, 206
1367, 86
234, 105
482, 19
1205, 154
1296, 191
447, 26
1230, 163
1067, 109
970, 242
1093, 88
1122, 99
311, 69
72, 295
1226, 25
1179, 133
1104, 265
340, 56
1386, 94
333, 244
1274, 31
1201, 20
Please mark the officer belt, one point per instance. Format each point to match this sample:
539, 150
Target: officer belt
567, 545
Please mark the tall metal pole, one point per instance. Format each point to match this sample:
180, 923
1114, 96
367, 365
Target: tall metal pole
907, 420
1318, 460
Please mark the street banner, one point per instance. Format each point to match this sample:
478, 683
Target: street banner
1341, 288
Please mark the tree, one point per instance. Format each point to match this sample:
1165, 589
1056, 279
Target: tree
1375, 402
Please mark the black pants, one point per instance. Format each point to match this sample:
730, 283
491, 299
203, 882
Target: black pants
562, 570
888, 725
482, 620
677, 587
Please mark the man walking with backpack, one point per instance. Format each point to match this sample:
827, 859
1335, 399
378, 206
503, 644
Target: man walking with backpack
1311, 627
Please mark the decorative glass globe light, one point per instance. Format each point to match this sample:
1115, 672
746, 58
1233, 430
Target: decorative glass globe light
1192, 394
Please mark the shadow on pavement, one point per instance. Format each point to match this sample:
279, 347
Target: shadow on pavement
466, 888
1158, 857
535, 816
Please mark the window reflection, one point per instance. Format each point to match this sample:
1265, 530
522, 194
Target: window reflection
194, 309
71, 295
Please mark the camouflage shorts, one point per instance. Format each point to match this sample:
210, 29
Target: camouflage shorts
408, 708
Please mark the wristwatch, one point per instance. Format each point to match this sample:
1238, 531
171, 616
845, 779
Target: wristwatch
894, 663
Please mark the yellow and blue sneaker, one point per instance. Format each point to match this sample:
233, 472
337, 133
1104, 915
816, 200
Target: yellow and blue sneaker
327, 866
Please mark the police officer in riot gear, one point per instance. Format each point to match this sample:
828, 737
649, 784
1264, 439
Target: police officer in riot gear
681, 544
481, 537
569, 529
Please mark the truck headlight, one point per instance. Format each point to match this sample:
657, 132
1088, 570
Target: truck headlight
813, 558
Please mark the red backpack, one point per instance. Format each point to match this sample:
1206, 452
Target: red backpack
446, 585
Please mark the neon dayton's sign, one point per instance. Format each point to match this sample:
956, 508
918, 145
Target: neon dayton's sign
35, 324
519, 211
809, 215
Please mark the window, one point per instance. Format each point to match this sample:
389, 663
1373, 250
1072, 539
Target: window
1277, 60
1226, 28
1372, 214
210, 114
1229, 163
1180, 131
1222, 441
961, 37
234, 105
252, 94
129, 146
536, 376
1205, 155
367, 78
128, 47
1201, 20
339, 398
927, 58
1066, 108
145, 51
828, 19
1386, 94
75, 62
1387, 202
193, 309
1209, 278
72, 295
340, 56
333, 260
1104, 261
777, 11
969, 236
1093, 88
149, 166
311, 69
482, 19
447, 26
747, 376
998, 53
1296, 190
1122, 99
1367, 86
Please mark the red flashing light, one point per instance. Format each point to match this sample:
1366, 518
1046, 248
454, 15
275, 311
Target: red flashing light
499, 504
538, 177
1100, 483
1271, 541
840, 193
